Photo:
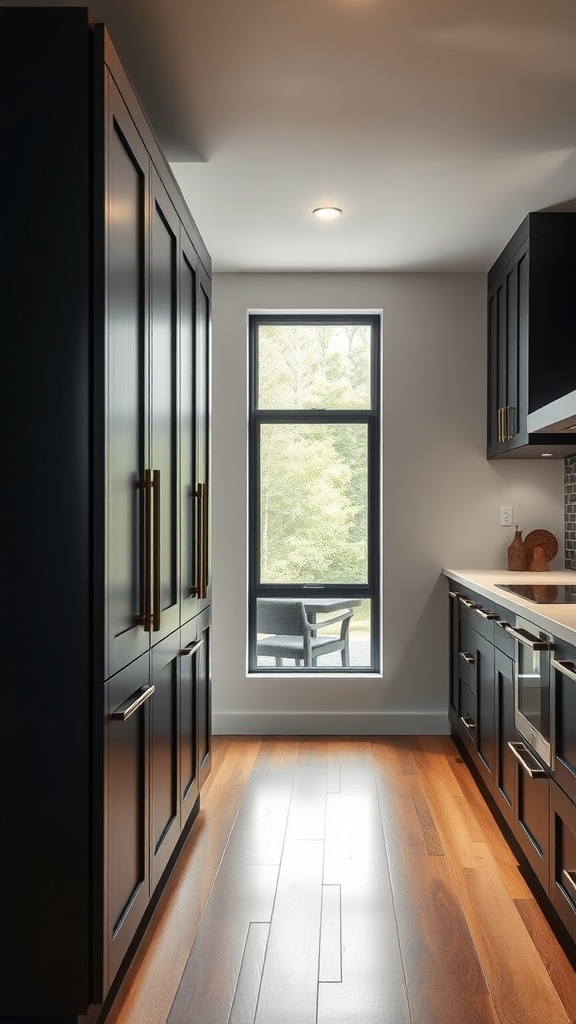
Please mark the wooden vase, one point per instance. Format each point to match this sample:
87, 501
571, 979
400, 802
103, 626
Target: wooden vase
538, 562
518, 555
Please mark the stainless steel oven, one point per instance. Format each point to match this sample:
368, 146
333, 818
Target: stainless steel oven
532, 686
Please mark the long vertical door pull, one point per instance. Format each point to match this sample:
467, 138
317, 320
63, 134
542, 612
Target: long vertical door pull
156, 554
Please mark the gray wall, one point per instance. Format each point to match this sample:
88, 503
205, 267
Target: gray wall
441, 497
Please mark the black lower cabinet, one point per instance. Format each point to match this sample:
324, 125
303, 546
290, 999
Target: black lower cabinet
195, 710
164, 754
126, 759
532, 811
505, 733
485, 717
535, 804
204, 697
563, 858
156, 755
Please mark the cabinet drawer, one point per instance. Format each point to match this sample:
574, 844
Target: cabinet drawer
467, 606
467, 711
483, 621
532, 824
502, 639
563, 670
563, 858
467, 656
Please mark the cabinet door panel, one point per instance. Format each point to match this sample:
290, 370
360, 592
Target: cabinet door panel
505, 732
532, 828
467, 664
454, 649
563, 858
164, 741
164, 410
563, 690
127, 837
203, 392
189, 508
204, 698
485, 709
190, 666
127, 170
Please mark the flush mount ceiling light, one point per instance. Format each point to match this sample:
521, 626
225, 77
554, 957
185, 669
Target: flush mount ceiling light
327, 212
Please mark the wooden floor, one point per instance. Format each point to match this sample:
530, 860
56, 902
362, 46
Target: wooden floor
346, 881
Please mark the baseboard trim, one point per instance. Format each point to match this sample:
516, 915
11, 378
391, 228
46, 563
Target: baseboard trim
330, 723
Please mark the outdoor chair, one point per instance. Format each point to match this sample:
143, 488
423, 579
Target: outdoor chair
291, 635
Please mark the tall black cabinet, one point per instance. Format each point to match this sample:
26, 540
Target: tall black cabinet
105, 567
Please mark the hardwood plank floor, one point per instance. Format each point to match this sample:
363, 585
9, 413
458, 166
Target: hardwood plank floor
346, 881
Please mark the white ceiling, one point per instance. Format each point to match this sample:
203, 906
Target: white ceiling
435, 125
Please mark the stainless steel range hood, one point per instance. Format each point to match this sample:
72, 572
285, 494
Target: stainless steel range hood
555, 417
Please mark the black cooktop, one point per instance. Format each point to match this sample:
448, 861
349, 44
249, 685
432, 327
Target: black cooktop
542, 593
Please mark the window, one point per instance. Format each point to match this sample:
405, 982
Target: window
314, 493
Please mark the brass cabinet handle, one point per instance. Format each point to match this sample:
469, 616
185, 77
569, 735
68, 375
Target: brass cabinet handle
467, 602
191, 649
530, 641
518, 749
467, 657
468, 722
123, 711
156, 546
567, 668
486, 615
199, 587
570, 878
146, 611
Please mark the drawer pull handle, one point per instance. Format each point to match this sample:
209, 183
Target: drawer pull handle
486, 615
526, 638
570, 878
191, 649
453, 593
518, 749
467, 657
567, 668
503, 625
468, 722
466, 601
123, 711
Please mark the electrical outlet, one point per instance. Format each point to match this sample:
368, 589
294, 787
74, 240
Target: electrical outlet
506, 515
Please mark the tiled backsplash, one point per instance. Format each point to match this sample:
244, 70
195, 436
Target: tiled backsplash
570, 512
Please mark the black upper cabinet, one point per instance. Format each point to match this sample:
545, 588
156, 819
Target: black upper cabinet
531, 323
105, 327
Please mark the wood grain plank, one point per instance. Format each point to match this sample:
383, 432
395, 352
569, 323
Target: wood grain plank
308, 803
210, 978
288, 993
519, 985
444, 977
331, 935
553, 957
148, 990
246, 995
503, 855
243, 890
373, 984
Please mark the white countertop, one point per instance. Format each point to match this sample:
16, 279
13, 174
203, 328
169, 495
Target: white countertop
559, 619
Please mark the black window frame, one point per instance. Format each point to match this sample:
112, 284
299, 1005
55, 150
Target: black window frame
373, 419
